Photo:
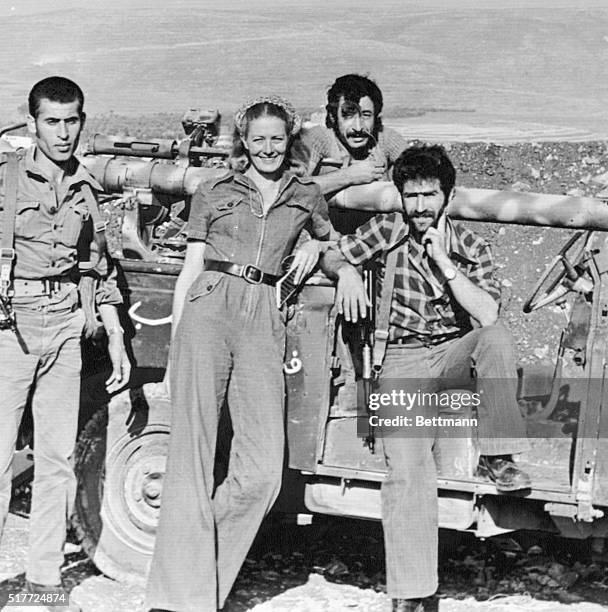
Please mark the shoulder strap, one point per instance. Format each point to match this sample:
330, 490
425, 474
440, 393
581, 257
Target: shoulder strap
99, 226
386, 298
91, 202
7, 248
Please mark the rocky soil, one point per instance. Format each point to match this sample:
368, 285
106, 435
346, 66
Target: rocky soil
336, 565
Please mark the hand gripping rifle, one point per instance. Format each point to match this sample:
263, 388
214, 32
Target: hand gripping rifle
366, 339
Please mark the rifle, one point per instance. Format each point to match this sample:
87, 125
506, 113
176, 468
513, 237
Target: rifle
366, 339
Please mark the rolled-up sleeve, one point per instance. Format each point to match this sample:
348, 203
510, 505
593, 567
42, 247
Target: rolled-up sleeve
482, 271
200, 214
107, 289
369, 239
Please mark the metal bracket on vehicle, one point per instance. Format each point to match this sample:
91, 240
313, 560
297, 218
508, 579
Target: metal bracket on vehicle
565, 510
344, 484
585, 510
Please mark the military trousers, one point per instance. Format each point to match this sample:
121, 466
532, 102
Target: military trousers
229, 345
409, 493
51, 373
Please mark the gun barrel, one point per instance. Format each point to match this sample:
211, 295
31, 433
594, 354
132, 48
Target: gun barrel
115, 175
521, 208
159, 148
529, 208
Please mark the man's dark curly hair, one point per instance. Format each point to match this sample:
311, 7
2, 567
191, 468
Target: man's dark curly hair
424, 162
353, 87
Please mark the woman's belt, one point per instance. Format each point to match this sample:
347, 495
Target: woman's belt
252, 274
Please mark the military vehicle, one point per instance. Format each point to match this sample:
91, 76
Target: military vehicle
121, 452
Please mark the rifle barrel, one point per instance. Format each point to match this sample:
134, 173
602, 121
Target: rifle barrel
159, 148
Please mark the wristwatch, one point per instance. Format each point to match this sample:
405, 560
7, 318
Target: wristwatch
449, 274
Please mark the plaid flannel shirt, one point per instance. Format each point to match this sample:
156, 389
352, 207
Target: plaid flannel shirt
422, 304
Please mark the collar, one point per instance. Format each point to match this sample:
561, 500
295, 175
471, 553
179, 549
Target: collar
74, 175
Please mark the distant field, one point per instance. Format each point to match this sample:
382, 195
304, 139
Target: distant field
531, 62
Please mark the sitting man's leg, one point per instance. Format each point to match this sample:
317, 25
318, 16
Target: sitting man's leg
488, 352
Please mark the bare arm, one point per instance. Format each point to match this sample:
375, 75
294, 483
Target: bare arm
121, 366
477, 302
358, 173
351, 299
193, 265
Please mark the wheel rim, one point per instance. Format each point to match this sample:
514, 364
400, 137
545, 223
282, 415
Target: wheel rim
135, 469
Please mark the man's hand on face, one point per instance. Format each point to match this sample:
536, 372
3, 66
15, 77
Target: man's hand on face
434, 244
351, 298
363, 172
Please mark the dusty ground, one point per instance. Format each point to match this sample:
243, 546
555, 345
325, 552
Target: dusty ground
336, 565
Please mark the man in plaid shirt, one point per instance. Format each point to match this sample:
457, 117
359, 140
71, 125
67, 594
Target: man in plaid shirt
442, 326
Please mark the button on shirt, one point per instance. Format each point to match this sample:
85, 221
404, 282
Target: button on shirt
227, 215
422, 304
48, 222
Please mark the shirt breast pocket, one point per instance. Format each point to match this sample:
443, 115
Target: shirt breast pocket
74, 219
301, 205
227, 218
27, 219
227, 206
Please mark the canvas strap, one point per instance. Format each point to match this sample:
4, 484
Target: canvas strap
386, 298
99, 226
7, 248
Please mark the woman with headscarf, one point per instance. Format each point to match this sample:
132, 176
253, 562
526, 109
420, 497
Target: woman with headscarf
228, 343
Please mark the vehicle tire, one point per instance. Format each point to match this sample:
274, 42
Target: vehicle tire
120, 462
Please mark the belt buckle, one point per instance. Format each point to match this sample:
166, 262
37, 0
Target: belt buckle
252, 274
